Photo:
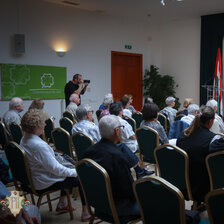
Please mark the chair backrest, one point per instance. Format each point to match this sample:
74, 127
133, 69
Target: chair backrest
173, 166
81, 143
67, 124
69, 115
215, 167
178, 117
214, 203
61, 140
131, 121
148, 140
16, 132
48, 129
159, 201
137, 116
98, 112
96, 186
177, 128
18, 164
3, 135
163, 121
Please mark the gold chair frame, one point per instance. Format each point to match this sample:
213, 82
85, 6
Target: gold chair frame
162, 115
133, 120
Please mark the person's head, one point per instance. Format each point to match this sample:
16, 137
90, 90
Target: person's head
33, 121
125, 102
116, 108
170, 101
108, 99
193, 109
148, 100
130, 97
77, 78
84, 112
16, 103
203, 120
37, 104
213, 104
187, 102
110, 128
74, 98
150, 111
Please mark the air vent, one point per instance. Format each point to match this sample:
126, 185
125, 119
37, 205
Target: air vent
71, 3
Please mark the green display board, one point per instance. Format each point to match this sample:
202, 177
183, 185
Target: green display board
32, 81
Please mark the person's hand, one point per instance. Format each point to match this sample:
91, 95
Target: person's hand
86, 84
81, 81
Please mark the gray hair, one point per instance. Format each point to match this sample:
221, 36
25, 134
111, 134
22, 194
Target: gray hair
192, 108
212, 103
82, 110
107, 125
15, 101
169, 100
73, 96
108, 99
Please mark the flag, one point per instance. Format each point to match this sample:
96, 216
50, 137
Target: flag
217, 93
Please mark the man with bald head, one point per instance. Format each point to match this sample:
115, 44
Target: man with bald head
74, 102
16, 106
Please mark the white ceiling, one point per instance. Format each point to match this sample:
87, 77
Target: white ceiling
148, 9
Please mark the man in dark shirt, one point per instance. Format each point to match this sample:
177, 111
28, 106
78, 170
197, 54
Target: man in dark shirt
74, 86
108, 155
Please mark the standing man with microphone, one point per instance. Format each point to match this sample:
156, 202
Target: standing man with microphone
75, 86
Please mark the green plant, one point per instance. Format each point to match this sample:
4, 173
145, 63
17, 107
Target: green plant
159, 87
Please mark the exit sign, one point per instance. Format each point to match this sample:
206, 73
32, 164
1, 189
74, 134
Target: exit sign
127, 46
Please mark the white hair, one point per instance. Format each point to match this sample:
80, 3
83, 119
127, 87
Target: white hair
108, 99
192, 108
169, 100
15, 101
107, 125
82, 110
212, 103
73, 96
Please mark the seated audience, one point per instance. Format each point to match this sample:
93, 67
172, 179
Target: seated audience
93, 132
131, 108
193, 110
84, 114
108, 97
74, 102
150, 115
127, 134
126, 103
195, 141
37, 104
16, 106
187, 102
169, 111
108, 155
47, 173
148, 100
106, 104
218, 125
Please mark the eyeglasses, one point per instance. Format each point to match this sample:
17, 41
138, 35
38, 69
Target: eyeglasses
91, 111
120, 126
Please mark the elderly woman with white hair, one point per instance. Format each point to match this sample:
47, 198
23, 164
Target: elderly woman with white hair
193, 110
218, 125
168, 110
107, 98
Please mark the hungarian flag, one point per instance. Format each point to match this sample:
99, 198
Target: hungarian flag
217, 93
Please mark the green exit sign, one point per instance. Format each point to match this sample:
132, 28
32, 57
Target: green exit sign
127, 46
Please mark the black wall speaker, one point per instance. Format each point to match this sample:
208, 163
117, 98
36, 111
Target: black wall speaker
19, 43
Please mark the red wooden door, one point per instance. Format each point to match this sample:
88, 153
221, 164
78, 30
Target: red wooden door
126, 76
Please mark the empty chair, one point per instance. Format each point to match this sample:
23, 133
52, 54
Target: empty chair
22, 177
215, 167
131, 121
16, 132
61, 139
214, 203
148, 140
160, 202
48, 129
81, 143
69, 115
3, 135
96, 186
137, 116
66, 124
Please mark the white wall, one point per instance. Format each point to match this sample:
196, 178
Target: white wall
90, 38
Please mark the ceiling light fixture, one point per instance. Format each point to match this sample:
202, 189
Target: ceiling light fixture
163, 1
